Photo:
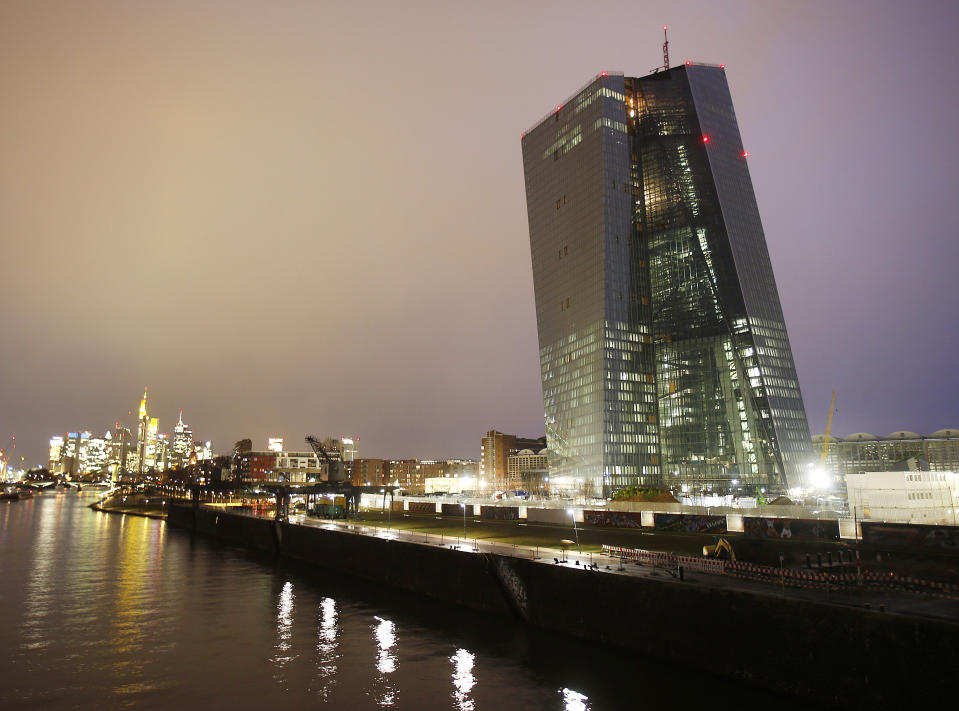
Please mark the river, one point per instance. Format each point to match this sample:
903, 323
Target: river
112, 611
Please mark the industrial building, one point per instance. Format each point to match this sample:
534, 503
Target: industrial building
862, 452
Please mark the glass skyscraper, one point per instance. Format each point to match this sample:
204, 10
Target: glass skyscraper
663, 350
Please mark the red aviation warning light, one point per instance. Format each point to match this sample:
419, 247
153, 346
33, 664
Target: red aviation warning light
745, 154
705, 139
722, 66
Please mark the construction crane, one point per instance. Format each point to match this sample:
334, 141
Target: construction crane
336, 472
825, 440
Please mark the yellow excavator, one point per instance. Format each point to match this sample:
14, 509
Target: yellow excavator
722, 549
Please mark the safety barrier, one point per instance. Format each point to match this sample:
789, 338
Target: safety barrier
792, 577
712, 566
638, 555
666, 560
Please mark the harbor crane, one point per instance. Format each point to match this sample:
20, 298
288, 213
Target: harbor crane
336, 471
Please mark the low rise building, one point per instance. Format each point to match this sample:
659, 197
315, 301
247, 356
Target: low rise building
367, 471
300, 467
528, 471
495, 450
255, 466
910, 496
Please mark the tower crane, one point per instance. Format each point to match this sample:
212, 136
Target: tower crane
825, 440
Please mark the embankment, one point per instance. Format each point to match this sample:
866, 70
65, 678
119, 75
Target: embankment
830, 654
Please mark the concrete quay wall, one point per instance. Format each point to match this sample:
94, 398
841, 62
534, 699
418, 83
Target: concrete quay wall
840, 656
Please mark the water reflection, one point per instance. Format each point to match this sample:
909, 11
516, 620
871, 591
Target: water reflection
131, 610
34, 618
282, 654
326, 649
574, 701
463, 679
384, 634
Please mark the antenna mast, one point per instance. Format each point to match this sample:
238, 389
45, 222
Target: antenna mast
665, 48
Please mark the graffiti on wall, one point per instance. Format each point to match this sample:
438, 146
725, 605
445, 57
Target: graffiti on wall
689, 523
612, 519
757, 527
500, 513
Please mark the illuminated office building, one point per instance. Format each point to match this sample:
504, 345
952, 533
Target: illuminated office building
182, 445
95, 453
56, 454
663, 350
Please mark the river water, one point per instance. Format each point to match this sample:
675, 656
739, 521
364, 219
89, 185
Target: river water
110, 611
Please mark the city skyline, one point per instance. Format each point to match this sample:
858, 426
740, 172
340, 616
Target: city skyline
208, 202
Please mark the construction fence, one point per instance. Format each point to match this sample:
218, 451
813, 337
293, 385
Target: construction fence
844, 579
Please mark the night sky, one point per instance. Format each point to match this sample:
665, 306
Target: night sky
309, 217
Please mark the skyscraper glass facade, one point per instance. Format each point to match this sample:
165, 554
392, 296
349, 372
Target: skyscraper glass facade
663, 350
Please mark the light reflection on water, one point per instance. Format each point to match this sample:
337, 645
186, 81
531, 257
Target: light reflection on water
384, 633
284, 633
574, 701
326, 656
110, 611
463, 679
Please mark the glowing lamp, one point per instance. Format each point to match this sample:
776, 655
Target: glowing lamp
745, 154
705, 139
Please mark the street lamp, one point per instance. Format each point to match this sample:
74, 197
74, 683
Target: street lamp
463, 506
572, 513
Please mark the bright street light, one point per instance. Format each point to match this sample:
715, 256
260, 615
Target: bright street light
572, 513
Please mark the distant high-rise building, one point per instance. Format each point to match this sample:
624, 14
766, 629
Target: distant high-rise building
350, 448
663, 350
56, 454
182, 445
275, 444
143, 428
95, 453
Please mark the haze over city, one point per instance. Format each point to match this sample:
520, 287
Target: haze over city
311, 218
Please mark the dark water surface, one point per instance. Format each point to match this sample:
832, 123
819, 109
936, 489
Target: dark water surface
110, 611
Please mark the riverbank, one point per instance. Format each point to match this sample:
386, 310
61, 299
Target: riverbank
154, 511
826, 653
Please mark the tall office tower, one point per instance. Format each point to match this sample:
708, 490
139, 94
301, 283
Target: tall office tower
56, 454
182, 446
663, 350
143, 427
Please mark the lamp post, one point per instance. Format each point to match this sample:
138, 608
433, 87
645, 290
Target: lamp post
572, 513
463, 506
